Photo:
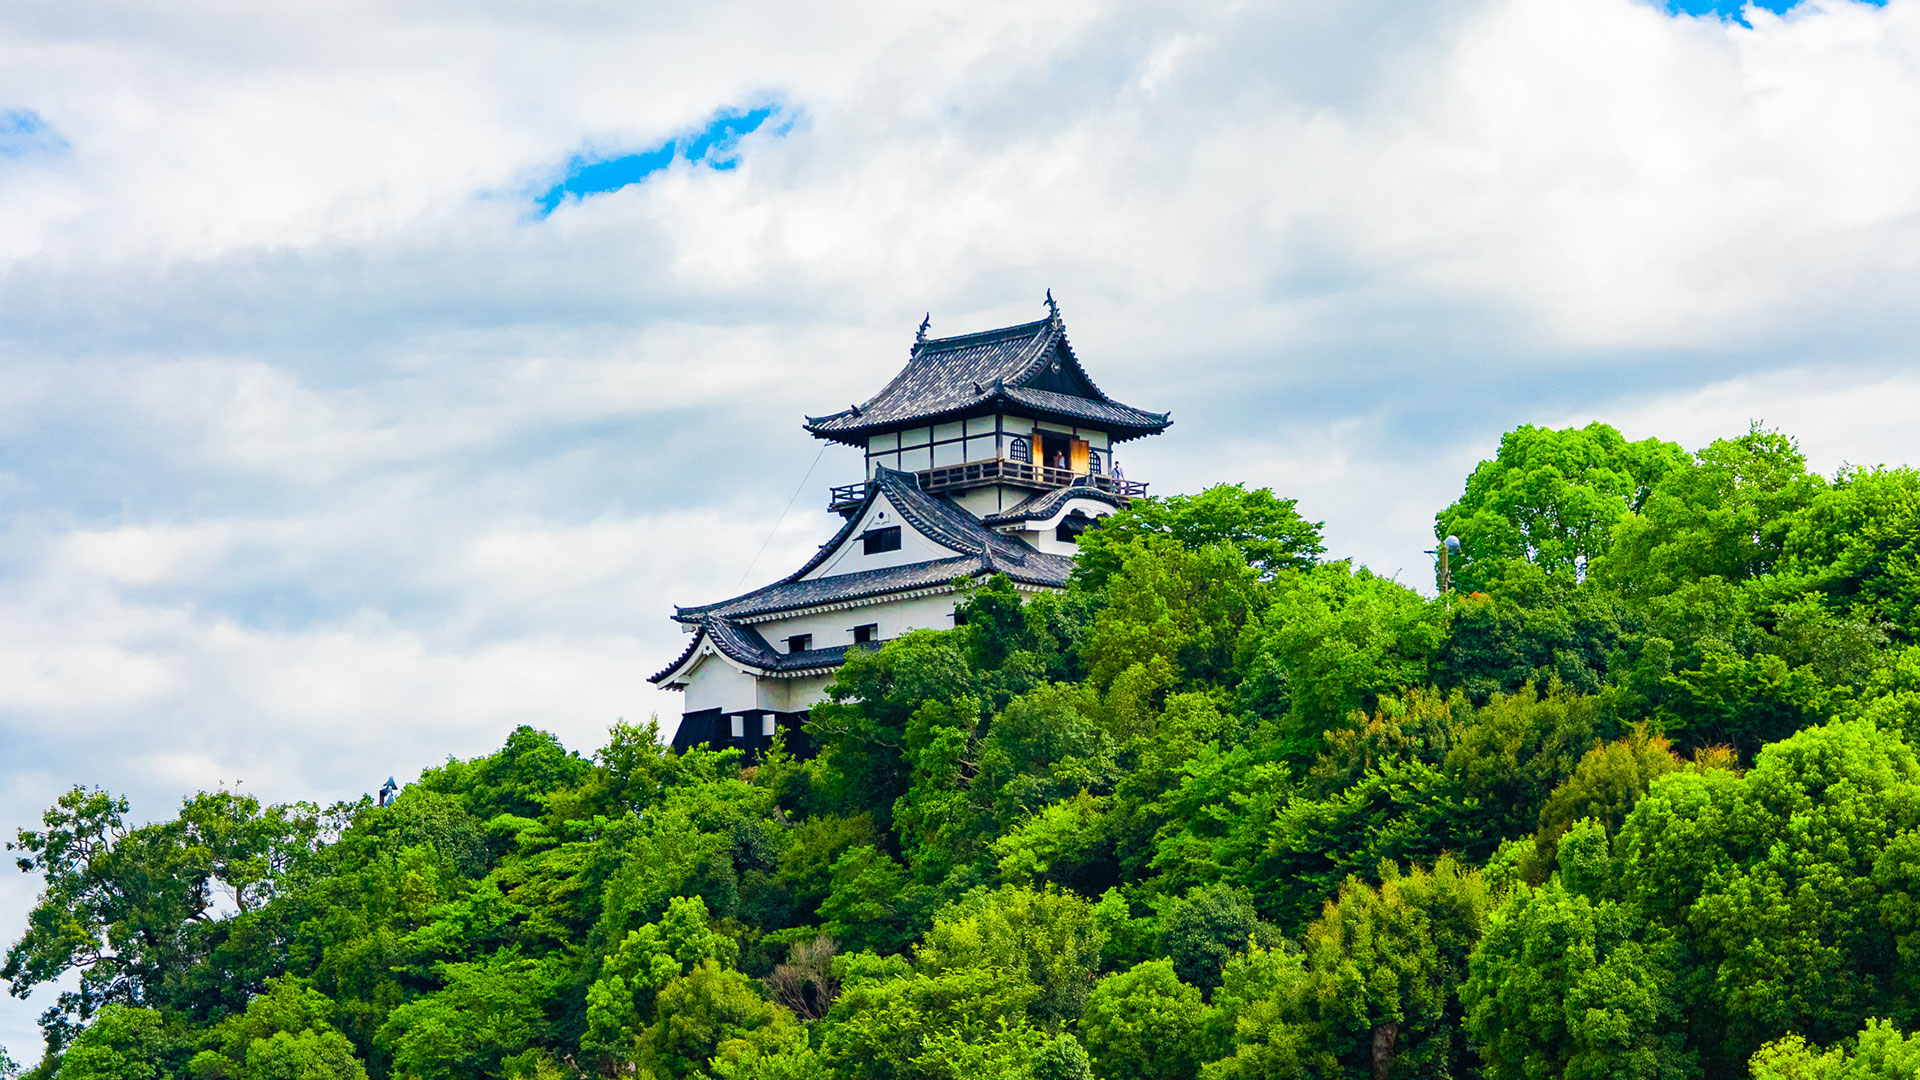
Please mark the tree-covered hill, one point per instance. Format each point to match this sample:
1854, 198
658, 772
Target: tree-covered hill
1640, 798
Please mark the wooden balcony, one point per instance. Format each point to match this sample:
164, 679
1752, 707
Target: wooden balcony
845, 497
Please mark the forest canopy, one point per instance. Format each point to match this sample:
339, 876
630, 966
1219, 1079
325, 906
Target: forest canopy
1639, 797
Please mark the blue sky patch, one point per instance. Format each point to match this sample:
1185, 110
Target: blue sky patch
1731, 9
23, 132
716, 146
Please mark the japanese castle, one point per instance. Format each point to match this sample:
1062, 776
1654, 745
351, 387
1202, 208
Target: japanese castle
987, 454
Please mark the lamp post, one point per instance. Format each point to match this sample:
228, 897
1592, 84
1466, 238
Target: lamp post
1449, 546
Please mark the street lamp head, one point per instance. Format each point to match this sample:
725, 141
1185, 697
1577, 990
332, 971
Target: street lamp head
1453, 543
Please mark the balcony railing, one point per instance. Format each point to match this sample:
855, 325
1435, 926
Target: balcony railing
844, 497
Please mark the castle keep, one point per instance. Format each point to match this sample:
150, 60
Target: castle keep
987, 454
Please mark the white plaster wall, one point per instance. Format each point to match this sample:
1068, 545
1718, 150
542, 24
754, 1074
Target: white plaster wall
895, 617
988, 500
1039, 534
716, 684
914, 546
1044, 540
793, 695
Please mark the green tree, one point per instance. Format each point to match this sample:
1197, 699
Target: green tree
1172, 615
1046, 745
1516, 749
1267, 530
284, 1034
1333, 641
1141, 1024
1725, 514
136, 912
1201, 930
1047, 937
482, 1013
1880, 1053
621, 1001
125, 1043
862, 728
1259, 1023
1605, 786
713, 1011
1563, 985
1791, 887
1551, 498
892, 1022
1857, 544
519, 779
1528, 626
1384, 967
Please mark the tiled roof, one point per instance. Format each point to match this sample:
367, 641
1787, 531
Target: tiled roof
948, 524
811, 592
974, 373
1105, 413
1043, 504
977, 549
744, 645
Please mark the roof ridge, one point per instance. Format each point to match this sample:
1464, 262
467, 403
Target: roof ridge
686, 654
977, 336
957, 524
1044, 503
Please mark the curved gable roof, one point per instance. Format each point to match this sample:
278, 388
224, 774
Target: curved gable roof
1030, 367
977, 549
1044, 504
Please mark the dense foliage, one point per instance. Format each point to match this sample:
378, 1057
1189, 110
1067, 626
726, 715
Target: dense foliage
1641, 798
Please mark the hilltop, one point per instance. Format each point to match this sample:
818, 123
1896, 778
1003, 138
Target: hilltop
1638, 796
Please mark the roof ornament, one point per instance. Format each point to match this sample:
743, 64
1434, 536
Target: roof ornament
1053, 308
921, 337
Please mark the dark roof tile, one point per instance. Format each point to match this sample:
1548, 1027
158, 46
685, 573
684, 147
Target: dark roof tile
1043, 504
1030, 366
977, 549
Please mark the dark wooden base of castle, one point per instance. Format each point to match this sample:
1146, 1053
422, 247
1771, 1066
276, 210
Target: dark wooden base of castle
714, 730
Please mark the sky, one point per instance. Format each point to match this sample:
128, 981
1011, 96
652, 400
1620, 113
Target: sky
375, 376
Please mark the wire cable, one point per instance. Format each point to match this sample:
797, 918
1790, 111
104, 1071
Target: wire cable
783, 515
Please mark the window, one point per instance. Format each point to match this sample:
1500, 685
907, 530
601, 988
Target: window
800, 643
864, 634
875, 541
1070, 527
959, 618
